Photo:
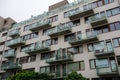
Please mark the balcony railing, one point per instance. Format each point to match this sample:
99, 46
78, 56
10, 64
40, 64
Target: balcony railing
83, 38
9, 53
59, 58
15, 42
40, 25
38, 48
60, 30
10, 66
98, 20
103, 50
107, 69
80, 13
14, 33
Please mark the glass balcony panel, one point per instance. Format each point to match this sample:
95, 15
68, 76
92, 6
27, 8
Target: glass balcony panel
37, 48
10, 53
80, 12
40, 25
10, 66
60, 58
83, 38
15, 42
107, 70
60, 30
98, 19
14, 33
103, 50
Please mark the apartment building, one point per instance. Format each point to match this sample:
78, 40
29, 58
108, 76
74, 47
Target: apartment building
82, 36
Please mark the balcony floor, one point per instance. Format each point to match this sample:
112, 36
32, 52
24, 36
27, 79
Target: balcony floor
17, 44
60, 61
40, 27
100, 22
39, 50
60, 33
104, 54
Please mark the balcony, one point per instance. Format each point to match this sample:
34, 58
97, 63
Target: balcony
83, 38
80, 13
40, 25
60, 59
14, 33
103, 50
103, 70
9, 54
60, 30
10, 66
39, 48
15, 42
99, 20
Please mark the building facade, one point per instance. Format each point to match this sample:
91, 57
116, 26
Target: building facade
82, 36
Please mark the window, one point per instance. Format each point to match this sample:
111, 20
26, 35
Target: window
90, 47
100, 3
66, 14
76, 49
117, 25
82, 65
113, 11
92, 64
48, 31
30, 36
47, 55
50, 42
4, 34
54, 41
105, 29
32, 58
53, 19
76, 22
52, 69
75, 66
27, 27
70, 37
23, 60
116, 42
45, 69
2, 43
112, 27
118, 60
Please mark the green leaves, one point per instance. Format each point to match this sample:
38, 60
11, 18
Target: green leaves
75, 76
27, 75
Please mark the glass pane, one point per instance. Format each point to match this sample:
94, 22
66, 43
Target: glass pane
90, 47
102, 63
112, 27
92, 64
116, 43
42, 70
115, 11
117, 25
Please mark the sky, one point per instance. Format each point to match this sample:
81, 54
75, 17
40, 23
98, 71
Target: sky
21, 10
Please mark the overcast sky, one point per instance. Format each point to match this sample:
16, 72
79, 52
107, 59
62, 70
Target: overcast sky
23, 9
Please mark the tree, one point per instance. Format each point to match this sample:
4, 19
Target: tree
27, 75
75, 76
